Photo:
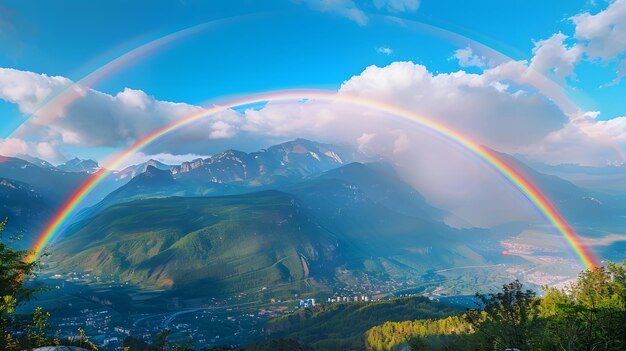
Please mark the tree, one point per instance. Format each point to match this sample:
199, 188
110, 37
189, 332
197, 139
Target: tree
508, 318
591, 314
15, 272
563, 329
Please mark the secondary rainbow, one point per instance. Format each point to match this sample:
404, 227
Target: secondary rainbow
56, 103
515, 177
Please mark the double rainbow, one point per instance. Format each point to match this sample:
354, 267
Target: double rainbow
515, 177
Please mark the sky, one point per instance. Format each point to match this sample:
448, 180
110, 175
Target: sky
532, 78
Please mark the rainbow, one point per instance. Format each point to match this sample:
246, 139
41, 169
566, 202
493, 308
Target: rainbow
56, 103
515, 177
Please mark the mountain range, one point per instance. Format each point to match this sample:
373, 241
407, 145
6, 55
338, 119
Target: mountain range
355, 216
297, 216
54, 185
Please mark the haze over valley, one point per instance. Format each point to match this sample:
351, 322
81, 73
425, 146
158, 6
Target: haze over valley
387, 175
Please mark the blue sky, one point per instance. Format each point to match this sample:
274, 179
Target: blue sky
286, 45
271, 45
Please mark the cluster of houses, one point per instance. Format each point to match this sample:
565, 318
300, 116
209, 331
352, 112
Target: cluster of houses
348, 299
309, 303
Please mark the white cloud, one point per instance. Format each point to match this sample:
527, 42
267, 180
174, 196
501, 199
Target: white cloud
603, 34
553, 58
384, 50
466, 101
85, 118
519, 73
401, 143
600, 36
345, 8
134, 99
398, 5
163, 157
47, 151
498, 107
584, 140
288, 119
97, 119
13, 146
17, 146
222, 130
88, 118
364, 140
467, 58
27, 89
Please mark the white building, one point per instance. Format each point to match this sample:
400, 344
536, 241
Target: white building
308, 303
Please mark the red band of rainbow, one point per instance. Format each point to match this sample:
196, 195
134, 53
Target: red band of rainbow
516, 178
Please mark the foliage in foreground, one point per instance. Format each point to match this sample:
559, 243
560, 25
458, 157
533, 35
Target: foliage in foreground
392, 334
161, 342
341, 326
589, 315
16, 287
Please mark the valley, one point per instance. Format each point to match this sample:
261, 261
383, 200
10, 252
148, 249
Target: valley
218, 248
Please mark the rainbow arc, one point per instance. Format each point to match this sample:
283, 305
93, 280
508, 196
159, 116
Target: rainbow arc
516, 178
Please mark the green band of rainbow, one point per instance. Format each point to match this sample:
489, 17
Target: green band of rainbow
516, 178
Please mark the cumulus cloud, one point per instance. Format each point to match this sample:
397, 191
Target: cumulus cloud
600, 36
384, 50
469, 102
552, 57
88, 118
94, 119
584, 140
27, 89
101, 120
363, 141
503, 107
398, 5
467, 58
17, 146
401, 143
500, 108
603, 34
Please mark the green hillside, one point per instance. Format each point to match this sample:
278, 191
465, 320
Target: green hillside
360, 220
223, 244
